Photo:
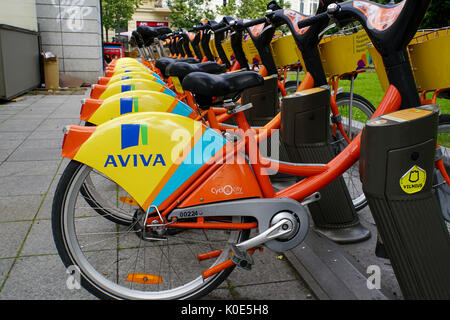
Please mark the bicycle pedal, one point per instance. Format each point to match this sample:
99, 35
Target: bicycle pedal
240, 108
242, 259
232, 137
151, 236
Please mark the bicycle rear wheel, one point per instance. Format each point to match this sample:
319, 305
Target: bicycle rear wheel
110, 256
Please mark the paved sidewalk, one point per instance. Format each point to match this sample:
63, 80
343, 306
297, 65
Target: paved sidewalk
30, 167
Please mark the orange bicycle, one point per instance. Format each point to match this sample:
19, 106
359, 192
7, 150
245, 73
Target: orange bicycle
198, 195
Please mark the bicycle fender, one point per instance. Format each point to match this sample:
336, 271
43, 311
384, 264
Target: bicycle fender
131, 75
100, 111
149, 154
103, 92
126, 69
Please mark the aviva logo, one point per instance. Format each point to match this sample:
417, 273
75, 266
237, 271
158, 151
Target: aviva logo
129, 105
130, 135
134, 135
128, 87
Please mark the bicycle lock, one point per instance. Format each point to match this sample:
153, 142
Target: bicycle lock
396, 169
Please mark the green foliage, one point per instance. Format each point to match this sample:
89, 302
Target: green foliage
438, 15
249, 9
187, 13
117, 13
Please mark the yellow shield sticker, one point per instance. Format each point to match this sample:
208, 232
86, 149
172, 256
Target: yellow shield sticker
413, 180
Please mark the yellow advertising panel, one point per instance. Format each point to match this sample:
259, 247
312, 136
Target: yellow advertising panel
133, 102
150, 154
344, 53
133, 85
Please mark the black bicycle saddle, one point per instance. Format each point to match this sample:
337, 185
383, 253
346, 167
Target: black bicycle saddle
182, 69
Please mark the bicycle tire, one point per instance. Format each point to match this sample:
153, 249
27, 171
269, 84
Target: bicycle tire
364, 110
92, 262
442, 189
290, 86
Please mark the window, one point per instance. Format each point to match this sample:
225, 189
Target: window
313, 6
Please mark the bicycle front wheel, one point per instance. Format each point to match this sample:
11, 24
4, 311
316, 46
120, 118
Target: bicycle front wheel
123, 262
353, 121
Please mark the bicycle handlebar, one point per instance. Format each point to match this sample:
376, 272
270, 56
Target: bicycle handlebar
198, 28
313, 20
254, 22
223, 29
218, 26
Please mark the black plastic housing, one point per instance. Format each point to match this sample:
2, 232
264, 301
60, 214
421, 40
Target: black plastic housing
396, 169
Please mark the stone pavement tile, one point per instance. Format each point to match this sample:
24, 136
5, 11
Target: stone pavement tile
10, 110
10, 143
34, 113
35, 154
5, 266
72, 110
40, 278
14, 135
19, 207
285, 290
364, 254
22, 102
20, 125
26, 168
24, 185
266, 266
45, 212
219, 294
56, 124
12, 233
39, 240
4, 153
47, 134
48, 143
54, 99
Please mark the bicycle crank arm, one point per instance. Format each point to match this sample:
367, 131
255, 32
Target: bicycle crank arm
268, 212
280, 229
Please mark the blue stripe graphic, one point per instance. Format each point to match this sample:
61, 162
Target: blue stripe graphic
130, 135
182, 109
208, 145
169, 92
126, 87
126, 105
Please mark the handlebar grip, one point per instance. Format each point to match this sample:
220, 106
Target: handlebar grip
218, 26
198, 28
254, 22
313, 20
223, 29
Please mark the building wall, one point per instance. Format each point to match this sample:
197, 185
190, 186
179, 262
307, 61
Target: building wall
71, 29
150, 10
21, 14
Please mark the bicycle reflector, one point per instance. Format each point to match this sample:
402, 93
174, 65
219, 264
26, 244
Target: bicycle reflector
144, 278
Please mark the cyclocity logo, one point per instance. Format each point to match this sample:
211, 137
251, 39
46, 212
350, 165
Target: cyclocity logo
227, 190
133, 135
